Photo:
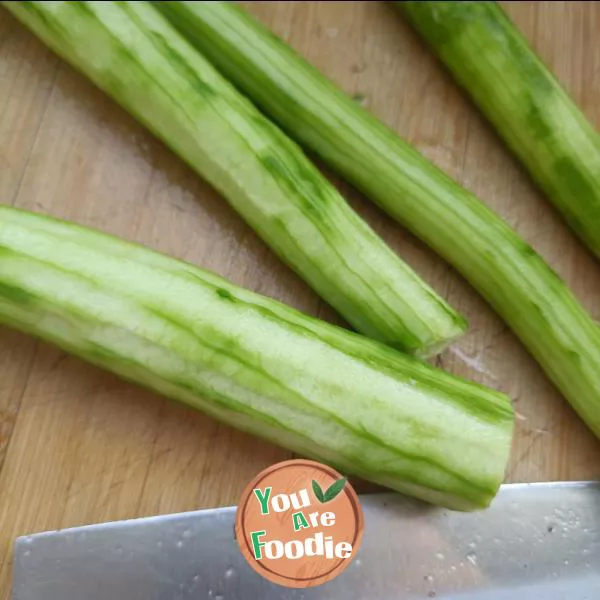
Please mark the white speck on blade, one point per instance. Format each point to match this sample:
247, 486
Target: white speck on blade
439, 556
179, 544
472, 558
519, 416
229, 573
331, 32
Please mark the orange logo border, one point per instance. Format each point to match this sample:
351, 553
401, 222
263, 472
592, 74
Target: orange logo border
243, 538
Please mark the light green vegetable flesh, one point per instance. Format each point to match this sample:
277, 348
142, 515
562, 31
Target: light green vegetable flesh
134, 54
524, 101
513, 278
254, 363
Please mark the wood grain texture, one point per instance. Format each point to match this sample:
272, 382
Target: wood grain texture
79, 446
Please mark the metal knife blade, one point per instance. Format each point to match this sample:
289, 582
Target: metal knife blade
536, 542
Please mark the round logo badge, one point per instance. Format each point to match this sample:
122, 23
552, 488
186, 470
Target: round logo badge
299, 523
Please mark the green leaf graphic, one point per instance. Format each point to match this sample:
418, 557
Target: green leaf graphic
318, 491
333, 490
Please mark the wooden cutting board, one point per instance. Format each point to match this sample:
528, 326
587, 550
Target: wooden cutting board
78, 445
